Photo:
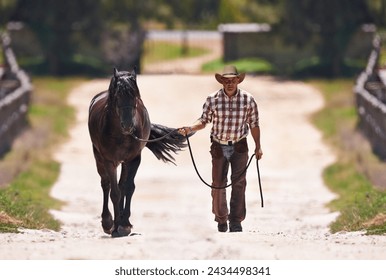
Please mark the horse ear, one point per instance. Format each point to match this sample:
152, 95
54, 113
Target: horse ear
115, 72
134, 72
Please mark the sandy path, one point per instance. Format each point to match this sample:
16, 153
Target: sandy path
171, 207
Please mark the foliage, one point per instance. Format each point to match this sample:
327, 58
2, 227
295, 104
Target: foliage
6, 9
328, 25
90, 36
359, 202
378, 9
57, 28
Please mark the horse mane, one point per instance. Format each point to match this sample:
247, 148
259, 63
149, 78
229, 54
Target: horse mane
123, 82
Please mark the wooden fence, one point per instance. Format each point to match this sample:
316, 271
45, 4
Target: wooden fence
370, 93
15, 90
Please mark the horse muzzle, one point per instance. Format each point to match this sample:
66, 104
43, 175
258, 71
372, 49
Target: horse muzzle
127, 130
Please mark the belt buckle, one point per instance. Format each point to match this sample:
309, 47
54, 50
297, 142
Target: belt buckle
228, 143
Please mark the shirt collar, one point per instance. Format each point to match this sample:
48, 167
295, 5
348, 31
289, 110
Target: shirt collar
223, 92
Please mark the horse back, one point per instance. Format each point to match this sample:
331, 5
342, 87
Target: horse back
98, 101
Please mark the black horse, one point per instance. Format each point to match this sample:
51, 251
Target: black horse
117, 119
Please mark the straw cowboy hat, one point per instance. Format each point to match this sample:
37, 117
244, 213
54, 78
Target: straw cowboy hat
229, 71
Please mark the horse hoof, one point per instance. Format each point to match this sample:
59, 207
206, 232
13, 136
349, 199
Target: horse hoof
115, 234
108, 227
121, 231
124, 230
108, 231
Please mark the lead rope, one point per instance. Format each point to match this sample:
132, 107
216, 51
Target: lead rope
223, 187
152, 140
261, 189
196, 169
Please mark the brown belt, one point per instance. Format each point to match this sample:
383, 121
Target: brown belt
228, 143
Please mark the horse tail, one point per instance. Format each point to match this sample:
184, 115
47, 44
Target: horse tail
173, 142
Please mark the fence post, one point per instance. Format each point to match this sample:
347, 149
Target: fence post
370, 93
15, 90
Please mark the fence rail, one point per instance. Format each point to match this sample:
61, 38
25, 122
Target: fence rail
370, 93
15, 90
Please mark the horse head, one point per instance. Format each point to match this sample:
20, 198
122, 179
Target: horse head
123, 95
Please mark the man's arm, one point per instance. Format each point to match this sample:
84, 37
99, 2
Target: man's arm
198, 125
256, 137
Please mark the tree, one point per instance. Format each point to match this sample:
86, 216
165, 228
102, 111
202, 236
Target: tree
328, 25
56, 23
76, 32
378, 9
6, 9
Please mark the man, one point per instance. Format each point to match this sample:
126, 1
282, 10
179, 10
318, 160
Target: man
232, 112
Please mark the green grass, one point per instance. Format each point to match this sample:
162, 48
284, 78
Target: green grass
26, 200
247, 65
163, 51
382, 60
359, 201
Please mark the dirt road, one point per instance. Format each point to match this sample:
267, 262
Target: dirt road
171, 209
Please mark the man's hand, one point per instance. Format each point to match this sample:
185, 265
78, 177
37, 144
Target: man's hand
258, 153
184, 130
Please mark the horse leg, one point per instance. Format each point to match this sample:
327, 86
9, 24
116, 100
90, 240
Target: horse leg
127, 187
115, 196
107, 219
123, 229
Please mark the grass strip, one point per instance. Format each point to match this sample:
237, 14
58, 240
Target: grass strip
361, 203
25, 201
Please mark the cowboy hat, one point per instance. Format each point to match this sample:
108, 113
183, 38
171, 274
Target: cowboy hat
229, 71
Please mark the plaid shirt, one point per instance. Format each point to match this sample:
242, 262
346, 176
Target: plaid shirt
230, 116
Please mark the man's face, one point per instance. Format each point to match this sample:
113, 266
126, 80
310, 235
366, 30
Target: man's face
230, 84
